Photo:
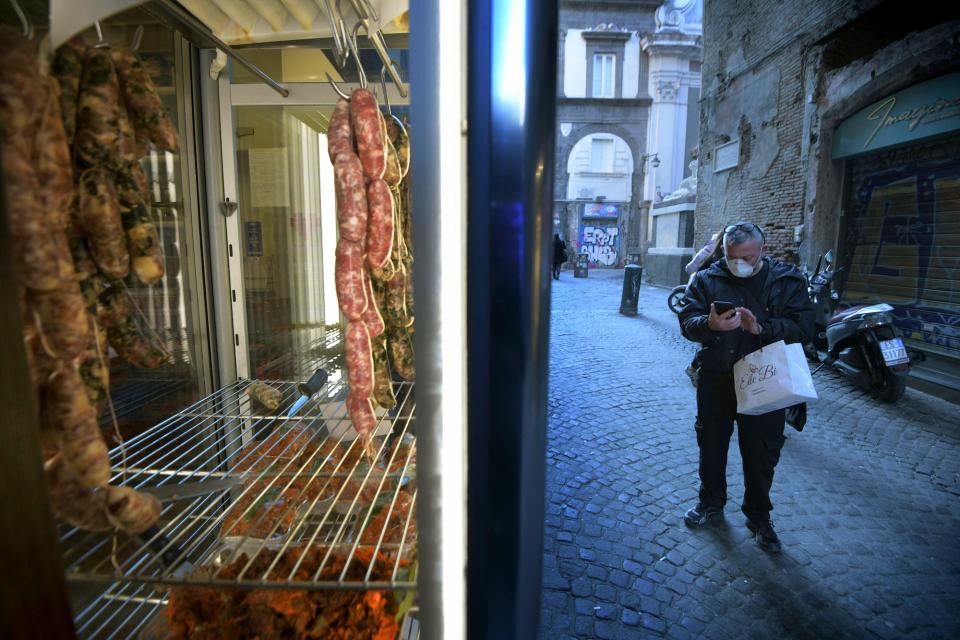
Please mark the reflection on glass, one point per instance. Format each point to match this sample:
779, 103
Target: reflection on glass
164, 310
312, 65
288, 227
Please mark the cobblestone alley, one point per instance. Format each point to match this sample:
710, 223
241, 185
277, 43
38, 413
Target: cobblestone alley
866, 499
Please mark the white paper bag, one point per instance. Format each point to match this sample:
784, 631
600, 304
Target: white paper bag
774, 377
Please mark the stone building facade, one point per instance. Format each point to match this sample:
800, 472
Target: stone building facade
620, 104
836, 124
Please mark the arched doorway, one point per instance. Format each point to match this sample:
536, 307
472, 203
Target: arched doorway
600, 180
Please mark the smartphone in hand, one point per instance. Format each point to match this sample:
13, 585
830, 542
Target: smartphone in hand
723, 307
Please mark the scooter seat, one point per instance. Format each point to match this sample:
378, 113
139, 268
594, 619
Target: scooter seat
840, 316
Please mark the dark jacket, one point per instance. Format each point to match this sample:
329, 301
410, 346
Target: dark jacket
559, 251
786, 313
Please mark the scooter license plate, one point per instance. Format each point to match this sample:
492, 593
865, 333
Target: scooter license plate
893, 351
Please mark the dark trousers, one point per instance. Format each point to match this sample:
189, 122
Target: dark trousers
556, 270
760, 437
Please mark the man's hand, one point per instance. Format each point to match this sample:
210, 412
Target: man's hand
727, 322
749, 321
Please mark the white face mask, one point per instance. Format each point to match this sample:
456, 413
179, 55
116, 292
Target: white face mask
741, 268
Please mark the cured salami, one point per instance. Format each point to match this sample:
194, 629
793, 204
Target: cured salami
351, 293
143, 243
115, 313
361, 414
63, 320
380, 227
67, 68
391, 174
21, 96
351, 197
78, 505
401, 353
142, 102
368, 130
359, 360
382, 385
99, 219
131, 510
99, 136
72, 419
372, 317
53, 163
397, 314
340, 131
41, 253
94, 369
399, 140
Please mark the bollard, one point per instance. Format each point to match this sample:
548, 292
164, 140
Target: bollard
580, 267
631, 289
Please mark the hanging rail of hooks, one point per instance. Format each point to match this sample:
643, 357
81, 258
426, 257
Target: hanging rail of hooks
172, 8
346, 44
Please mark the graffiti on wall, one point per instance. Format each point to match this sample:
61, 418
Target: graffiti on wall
601, 243
903, 249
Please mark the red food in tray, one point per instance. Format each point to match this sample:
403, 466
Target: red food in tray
394, 527
290, 472
207, 613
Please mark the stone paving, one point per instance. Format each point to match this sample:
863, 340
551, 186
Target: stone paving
866, 499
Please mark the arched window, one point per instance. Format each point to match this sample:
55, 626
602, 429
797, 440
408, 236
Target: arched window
600, 166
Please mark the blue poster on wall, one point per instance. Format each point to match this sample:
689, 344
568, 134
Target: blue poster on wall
601, 210
254, 233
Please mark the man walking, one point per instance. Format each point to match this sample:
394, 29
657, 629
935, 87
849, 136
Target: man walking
559, 255
770, 303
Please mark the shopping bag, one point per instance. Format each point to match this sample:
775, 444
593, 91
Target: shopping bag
773, 377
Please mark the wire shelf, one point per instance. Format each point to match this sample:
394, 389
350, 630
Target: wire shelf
124, 610
253, 498
131, 610
309, 354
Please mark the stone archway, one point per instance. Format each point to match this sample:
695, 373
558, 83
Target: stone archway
633, 224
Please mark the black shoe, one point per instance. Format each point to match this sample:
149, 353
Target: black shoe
701, 515
765, 536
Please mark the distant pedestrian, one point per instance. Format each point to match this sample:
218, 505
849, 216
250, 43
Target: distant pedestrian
559, 255
769, 303
710, 253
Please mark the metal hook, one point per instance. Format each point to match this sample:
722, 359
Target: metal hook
354, 48
24, 20
137, 38
386, 99
386, 95
100, 41
365, 10
336, 88
336, 24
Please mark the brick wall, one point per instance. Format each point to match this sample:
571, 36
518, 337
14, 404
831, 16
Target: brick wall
754, 91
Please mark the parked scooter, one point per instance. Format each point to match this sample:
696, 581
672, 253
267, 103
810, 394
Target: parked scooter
675, 299
858, 341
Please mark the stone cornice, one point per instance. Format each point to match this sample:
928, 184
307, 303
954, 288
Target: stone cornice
605, 102
673, 44
606, 36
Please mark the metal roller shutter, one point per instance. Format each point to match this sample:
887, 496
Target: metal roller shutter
901, 245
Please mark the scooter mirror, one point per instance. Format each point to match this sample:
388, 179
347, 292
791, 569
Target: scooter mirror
828, 257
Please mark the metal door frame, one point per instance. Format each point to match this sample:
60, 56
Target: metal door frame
220, 98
